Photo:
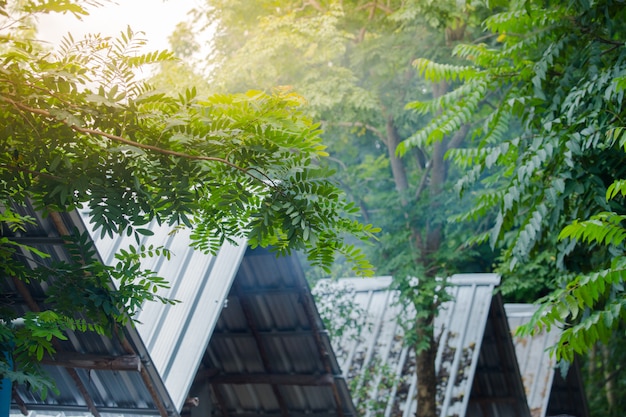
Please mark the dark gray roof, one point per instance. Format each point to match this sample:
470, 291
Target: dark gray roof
269, 354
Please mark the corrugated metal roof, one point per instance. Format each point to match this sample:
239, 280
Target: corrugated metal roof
475, 362
119, 392
270, 335
269, 354
548, 393
536, 366
176, 335
269, 295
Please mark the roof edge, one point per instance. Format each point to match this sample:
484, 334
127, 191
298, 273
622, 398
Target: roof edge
471, 279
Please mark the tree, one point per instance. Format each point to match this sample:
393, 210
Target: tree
558, 74
79, 129
182, 73
351, 61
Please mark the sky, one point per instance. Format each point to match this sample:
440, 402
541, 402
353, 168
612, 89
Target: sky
157, 18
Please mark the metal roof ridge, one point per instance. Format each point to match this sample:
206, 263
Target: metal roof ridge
520, 309
381, 283
475, 278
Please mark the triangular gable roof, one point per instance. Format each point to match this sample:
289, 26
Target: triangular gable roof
475, 352
121, 389
171, 341
176, 335
269, 355
548, 393
245, 297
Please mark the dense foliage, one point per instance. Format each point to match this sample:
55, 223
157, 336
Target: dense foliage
79, 129
351, 60
546, 104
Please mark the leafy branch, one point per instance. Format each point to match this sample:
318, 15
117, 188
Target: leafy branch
119, 139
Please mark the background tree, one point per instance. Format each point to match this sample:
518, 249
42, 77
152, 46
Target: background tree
557, 185
184, 72
351, 60
80, 130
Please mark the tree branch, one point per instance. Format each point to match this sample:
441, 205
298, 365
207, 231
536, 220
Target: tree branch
316, 5
384, 8
119, 139
458, 137
610, 376
373, 5
422, 184
485, 37
612, 48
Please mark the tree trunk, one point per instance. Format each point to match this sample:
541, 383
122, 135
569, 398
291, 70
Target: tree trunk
425, 359
425, 368
428, 245
609, 384
592, 360
397, 166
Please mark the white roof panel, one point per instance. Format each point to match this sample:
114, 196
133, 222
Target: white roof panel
177, 335
536, 365
381, 367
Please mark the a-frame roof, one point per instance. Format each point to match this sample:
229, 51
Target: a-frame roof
476, 366
269, 354
548, 393
176, 335
127, 382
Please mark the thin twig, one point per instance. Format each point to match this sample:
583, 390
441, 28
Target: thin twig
483, 38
